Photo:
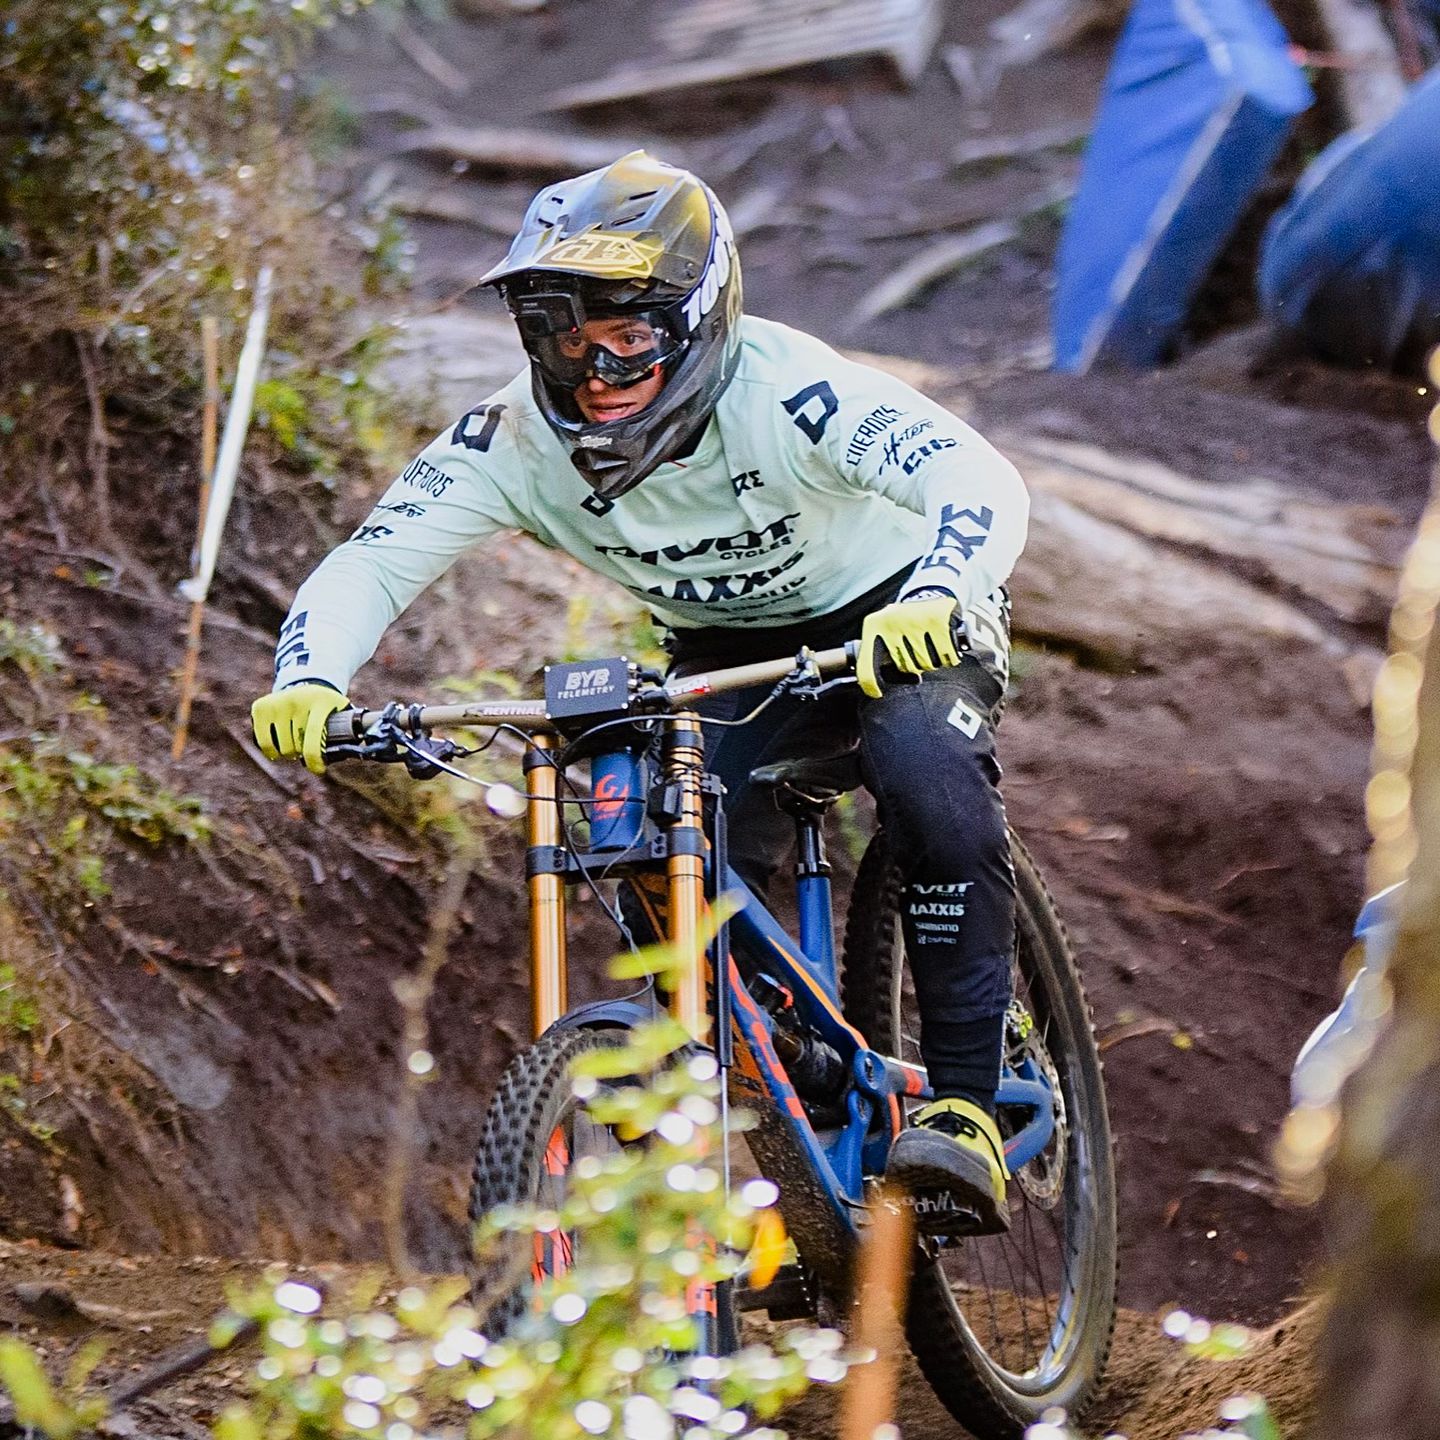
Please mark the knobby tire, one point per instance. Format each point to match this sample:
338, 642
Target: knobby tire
990, 1398
532, 1103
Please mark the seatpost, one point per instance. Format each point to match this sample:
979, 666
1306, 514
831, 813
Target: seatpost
813, 895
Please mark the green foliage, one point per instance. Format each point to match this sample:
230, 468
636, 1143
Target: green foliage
33, 649
14, 1104
852, 826
152, 157
19, 1013
619, 623
605, 1348
49, 797
133, 806
57, 1412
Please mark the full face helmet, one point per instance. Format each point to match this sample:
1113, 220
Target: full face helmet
642, 240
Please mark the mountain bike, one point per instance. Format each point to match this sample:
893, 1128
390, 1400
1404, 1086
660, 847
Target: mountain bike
821, 1049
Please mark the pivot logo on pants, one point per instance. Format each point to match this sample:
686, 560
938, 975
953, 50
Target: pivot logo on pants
935, 911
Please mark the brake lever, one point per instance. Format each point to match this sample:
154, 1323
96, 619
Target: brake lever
387, 743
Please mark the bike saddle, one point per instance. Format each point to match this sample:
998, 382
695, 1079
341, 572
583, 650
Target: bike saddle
819, 780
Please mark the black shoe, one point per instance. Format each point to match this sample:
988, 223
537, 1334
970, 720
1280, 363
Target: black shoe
952, 1162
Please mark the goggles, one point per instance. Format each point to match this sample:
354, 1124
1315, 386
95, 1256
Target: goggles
570, 346
621, 350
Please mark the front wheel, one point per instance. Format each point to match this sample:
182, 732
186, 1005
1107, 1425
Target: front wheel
1006, 1326
534, 1133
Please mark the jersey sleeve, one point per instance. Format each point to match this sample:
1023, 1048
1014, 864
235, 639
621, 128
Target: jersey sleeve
886, 436
449, 496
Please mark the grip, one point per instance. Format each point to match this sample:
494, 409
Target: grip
343, 725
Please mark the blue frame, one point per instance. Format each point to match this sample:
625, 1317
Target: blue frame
843, 1158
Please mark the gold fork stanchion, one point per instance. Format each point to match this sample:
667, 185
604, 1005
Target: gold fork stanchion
548, 999
685, 869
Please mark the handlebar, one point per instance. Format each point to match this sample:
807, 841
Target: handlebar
348, 726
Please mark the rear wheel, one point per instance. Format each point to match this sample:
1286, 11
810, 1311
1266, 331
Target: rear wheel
1007, 1326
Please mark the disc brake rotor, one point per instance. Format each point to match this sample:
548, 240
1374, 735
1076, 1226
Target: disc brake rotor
1042, 1178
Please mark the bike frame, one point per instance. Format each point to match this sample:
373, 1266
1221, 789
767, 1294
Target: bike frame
842, 1159
712, 1001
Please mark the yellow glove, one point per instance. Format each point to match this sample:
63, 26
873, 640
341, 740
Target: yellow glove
291, 722
916, 635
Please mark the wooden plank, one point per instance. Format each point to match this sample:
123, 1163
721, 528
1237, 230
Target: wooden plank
930, 265
755, 40
985, 149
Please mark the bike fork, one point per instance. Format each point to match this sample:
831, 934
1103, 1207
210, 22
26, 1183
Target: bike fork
708, 1305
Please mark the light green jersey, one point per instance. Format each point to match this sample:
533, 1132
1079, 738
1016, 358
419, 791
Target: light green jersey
816, 478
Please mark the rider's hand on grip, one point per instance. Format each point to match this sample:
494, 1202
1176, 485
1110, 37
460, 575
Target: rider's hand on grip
917, 636
291, 722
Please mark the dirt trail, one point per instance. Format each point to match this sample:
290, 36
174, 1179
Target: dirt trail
143, 1308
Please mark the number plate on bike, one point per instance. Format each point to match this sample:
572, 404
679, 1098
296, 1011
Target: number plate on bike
587, 687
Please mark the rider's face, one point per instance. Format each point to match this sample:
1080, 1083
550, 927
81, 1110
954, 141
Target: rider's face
599, 401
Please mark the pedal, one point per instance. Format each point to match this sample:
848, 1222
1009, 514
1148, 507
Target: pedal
938, 1214
789, 1296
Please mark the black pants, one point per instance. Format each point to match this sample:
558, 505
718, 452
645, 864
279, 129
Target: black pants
927, 755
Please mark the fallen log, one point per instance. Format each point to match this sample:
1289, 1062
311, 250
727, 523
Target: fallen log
1092, 589
1003, 149
944, 257
933, 263
747, 39
455, 207
426, 58
1342, 559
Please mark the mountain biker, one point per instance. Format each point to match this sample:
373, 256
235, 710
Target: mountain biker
757, 491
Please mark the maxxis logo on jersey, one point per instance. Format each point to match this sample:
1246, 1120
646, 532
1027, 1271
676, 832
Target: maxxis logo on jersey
701, 300
711, 589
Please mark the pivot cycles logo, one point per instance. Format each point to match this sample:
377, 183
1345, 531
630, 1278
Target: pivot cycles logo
743, 545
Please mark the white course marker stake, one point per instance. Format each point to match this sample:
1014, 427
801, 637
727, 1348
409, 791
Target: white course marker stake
221, 491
